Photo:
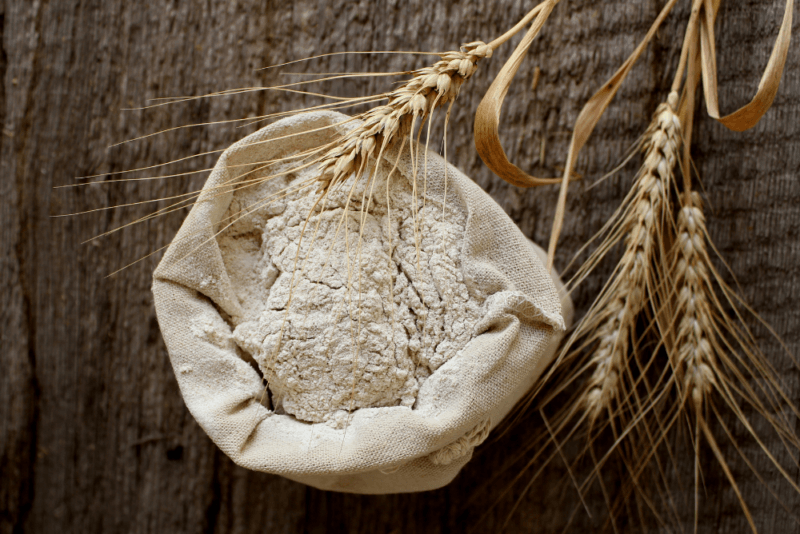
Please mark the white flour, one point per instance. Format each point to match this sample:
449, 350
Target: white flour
341, 350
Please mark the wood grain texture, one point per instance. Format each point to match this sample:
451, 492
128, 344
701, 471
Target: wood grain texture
94, 436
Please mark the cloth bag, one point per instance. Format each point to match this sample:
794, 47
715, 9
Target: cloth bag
381, 450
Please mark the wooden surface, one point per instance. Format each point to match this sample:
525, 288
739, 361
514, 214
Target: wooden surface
94, 436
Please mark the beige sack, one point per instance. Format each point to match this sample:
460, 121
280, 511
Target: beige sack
418, 444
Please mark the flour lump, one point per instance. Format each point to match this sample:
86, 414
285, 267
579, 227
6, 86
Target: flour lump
361, 316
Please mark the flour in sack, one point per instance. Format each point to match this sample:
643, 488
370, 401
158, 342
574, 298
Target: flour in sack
336, 350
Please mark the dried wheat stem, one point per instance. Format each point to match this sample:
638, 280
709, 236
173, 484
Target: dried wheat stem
695, 331
629, 292
430, 88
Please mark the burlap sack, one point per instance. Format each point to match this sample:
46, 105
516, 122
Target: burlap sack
380, 450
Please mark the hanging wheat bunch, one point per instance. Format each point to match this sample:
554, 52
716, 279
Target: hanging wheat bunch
664, 347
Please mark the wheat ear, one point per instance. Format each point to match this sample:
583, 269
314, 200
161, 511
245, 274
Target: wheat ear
714, 352
428, 89
693, 355
614, 322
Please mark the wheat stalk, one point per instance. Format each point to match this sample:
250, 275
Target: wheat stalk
715, 353
614, 319
609, 328
693, 357
430, 88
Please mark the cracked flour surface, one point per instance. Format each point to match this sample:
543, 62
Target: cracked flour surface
334, 349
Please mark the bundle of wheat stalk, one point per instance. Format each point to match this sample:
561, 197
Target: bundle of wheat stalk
664, 350
664, 347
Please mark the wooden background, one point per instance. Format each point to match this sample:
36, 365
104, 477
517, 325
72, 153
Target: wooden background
94, 436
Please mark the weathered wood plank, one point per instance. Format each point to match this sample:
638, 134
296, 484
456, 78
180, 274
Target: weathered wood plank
95, 436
